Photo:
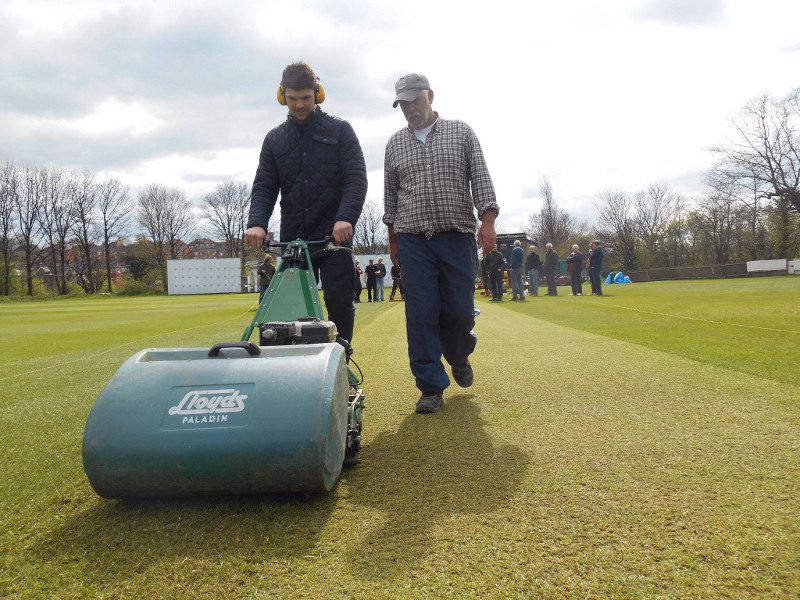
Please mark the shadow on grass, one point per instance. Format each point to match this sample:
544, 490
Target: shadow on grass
432, 468
115, 540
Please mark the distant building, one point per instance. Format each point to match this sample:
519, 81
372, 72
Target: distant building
505, 243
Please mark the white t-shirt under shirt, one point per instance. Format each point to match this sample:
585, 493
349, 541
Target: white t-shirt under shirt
422, 134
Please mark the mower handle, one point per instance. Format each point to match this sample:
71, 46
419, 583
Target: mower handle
251, 348
325, 240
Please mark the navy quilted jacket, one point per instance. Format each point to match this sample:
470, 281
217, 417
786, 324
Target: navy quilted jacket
319, 170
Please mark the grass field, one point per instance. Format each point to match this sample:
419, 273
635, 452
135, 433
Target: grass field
645, 444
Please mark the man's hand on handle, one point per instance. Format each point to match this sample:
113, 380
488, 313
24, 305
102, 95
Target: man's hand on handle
255, 236
342, 231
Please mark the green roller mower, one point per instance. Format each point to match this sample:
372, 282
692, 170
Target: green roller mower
280, 416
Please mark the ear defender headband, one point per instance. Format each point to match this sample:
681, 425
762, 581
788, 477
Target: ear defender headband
319, 93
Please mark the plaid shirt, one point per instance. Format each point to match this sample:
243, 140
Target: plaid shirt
432, 187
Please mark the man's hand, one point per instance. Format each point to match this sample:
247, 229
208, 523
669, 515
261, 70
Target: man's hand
255, 236
393, 245
342, 231
487, 237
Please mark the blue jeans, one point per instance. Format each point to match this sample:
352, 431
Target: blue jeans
516, 283
533, 282
379, 288
439, 290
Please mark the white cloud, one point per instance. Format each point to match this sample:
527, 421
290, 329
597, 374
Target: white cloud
593, 95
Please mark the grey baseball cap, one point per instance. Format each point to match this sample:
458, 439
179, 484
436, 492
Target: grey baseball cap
408, 86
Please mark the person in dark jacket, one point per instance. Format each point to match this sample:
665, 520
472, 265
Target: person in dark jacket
595, 264
314, 161
397, 284
266, 270
532, 265
515, 267
494, 266
550, 266
371, 272
357, 281
575, 268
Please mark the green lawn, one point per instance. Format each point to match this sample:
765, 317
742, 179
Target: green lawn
645, 444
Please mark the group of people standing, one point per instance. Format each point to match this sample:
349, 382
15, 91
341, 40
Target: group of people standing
375, 278
494, 264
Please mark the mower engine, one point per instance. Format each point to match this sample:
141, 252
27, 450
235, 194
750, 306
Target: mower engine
309, 330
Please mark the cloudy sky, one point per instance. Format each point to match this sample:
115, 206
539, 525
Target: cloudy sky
591, 94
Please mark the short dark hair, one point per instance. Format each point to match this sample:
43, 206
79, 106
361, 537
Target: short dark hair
299, 76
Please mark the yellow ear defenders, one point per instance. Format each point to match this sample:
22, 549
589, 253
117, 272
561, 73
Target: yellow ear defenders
319, 94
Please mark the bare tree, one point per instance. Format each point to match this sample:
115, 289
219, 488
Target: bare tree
718, 216
371, 235
114, 211
226, 209
28, 203
555, 225
83, 190
653, 211
766, 146
165, 215
617, 224
57, 221
9, 190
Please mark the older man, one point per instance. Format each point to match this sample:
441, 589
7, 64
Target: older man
435, 178
515, 266
575, 268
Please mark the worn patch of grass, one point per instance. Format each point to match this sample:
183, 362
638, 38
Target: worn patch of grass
550, 478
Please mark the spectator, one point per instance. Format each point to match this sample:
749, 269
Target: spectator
494, 267
532, 265
358, 287
515, 272
397, 284
595, 264
371, 271
380, 273
485, 279
575, 268
550, 266
266, 270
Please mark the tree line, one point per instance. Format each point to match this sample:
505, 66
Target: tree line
749, 211
69, 222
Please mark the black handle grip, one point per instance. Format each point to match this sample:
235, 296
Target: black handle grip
251, 348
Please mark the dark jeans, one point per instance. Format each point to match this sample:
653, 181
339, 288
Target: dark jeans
439, 286
371, 291
358, 292
552, 289
335, 268
594, 277
575, 281
496, 282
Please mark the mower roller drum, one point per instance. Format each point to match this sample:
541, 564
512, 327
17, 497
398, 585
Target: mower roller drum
239, 418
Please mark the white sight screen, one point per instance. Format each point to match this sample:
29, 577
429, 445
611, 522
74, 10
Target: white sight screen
204, 276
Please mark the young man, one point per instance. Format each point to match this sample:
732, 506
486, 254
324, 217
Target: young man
495, 264
397, 285
435, 177
315, 162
